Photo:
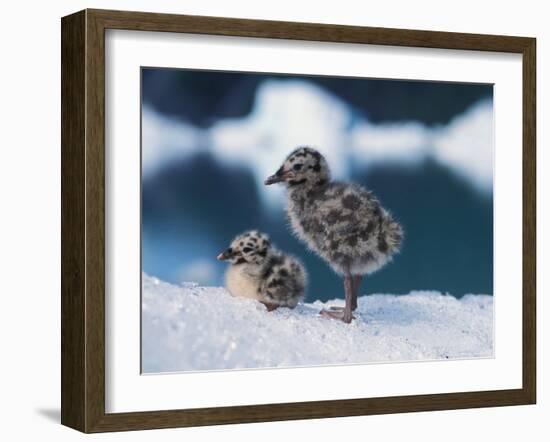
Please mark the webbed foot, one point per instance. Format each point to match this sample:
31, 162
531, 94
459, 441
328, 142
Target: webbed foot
270, 307
338, 313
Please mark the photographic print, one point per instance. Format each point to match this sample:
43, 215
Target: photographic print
302, 220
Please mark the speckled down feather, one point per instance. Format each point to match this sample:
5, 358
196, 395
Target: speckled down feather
342, 222
259, 271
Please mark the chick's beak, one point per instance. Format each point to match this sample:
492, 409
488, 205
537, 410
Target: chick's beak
222, 256
272, 180
281, 175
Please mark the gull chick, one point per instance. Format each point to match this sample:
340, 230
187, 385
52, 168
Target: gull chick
342, 222
259, 271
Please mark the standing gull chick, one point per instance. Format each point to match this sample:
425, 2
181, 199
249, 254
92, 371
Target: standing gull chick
343, 223
259, 271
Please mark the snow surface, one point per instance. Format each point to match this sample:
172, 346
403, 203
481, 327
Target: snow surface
189, 327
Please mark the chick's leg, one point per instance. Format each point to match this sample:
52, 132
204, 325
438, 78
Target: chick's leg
343, 314
348, 286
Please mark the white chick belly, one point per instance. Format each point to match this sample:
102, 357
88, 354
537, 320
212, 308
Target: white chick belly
240, 284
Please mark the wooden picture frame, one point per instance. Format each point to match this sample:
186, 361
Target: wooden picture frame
83, 220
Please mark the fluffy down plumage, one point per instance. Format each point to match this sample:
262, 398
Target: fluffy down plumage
343, 223
259, 271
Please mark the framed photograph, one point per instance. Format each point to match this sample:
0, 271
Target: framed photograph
267, 221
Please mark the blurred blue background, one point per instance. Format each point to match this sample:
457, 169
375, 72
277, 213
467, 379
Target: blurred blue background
209, 139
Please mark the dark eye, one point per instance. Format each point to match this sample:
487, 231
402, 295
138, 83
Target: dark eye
297, 167
247, 249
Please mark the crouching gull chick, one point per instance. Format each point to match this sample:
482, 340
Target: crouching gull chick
343, 223
259, 271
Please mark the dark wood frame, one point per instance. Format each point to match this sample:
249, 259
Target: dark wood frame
83, 217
